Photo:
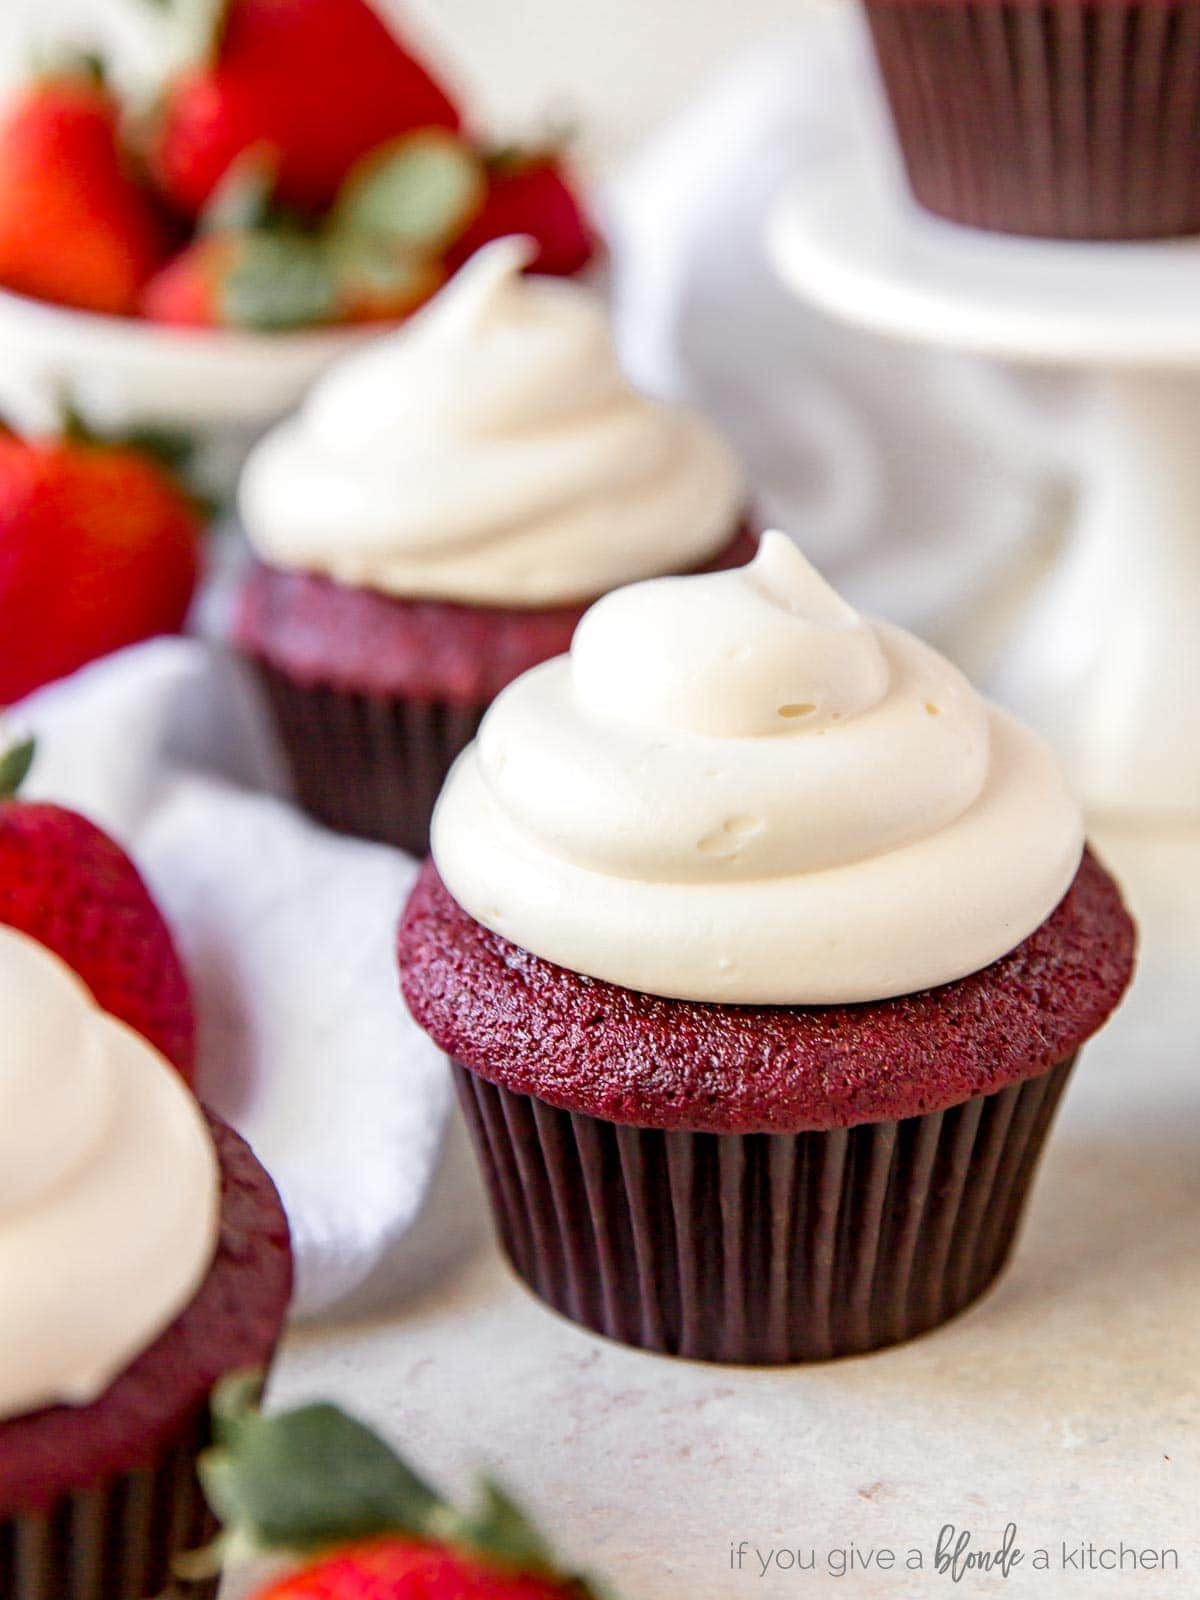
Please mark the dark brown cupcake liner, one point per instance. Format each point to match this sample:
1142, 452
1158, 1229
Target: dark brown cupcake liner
1070, 119
365, 764
116, 1541
760, 1248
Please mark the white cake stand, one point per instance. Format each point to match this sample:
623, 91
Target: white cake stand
1107, 658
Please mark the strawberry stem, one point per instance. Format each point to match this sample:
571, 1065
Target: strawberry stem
15, 763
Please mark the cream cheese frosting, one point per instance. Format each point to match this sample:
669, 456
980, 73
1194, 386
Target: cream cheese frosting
491, 452
109, 1188
735, 788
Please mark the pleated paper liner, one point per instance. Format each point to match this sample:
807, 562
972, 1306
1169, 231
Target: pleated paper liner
1071, 119
368, 765
760, 1248
116, 1541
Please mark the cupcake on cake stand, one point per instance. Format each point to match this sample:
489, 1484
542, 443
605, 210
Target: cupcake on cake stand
1106, 658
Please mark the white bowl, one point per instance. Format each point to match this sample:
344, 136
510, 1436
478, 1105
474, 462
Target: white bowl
223, 387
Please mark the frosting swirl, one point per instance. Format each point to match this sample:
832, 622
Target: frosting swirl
735, 788
491, 452
109, 1188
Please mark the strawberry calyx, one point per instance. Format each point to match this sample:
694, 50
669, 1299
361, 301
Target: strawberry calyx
377, 254
508, 160
419, 191
15, 762
277, 279
314, 1479
173, 450
63, 65
245, 197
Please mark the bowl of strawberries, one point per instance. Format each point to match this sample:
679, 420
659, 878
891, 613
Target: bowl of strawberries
300, 179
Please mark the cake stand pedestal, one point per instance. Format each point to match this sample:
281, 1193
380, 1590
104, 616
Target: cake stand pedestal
1106, 659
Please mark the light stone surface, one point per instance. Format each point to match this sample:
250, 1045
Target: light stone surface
1066, 1401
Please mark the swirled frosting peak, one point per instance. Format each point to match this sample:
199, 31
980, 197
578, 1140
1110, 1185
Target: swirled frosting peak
491, 452
751, 655
108, 1188
736, 788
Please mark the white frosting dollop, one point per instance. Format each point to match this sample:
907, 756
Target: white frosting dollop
491, 452
109, 1188
735, 788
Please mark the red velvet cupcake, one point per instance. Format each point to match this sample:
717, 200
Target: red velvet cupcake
1070, 119
144, 1254
763, 949
438, 517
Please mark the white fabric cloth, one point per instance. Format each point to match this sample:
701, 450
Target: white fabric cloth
288, 934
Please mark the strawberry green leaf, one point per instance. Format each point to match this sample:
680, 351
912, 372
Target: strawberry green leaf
554, 145
66, 62
501, 1530
242, 199
376, 278
276, 282
420, 191
307, 1478
15, 763
173, 448
361, 260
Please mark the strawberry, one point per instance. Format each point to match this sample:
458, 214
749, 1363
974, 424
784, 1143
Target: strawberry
67, 885
400, 1569
74, 226
319, 1484
321, 81
98, 549
532, 195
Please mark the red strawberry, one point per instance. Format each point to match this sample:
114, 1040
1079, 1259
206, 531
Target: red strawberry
67, 885
321, 81
400, 1569
533, 196
98, 549
74, 226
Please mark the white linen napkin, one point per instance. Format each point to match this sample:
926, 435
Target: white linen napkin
288, 934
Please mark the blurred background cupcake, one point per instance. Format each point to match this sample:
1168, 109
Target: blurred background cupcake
1065, 118
759, 1051
438, 515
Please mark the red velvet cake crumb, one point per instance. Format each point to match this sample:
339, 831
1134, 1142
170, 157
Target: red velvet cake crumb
323, 634
234, 1321
588, 1046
